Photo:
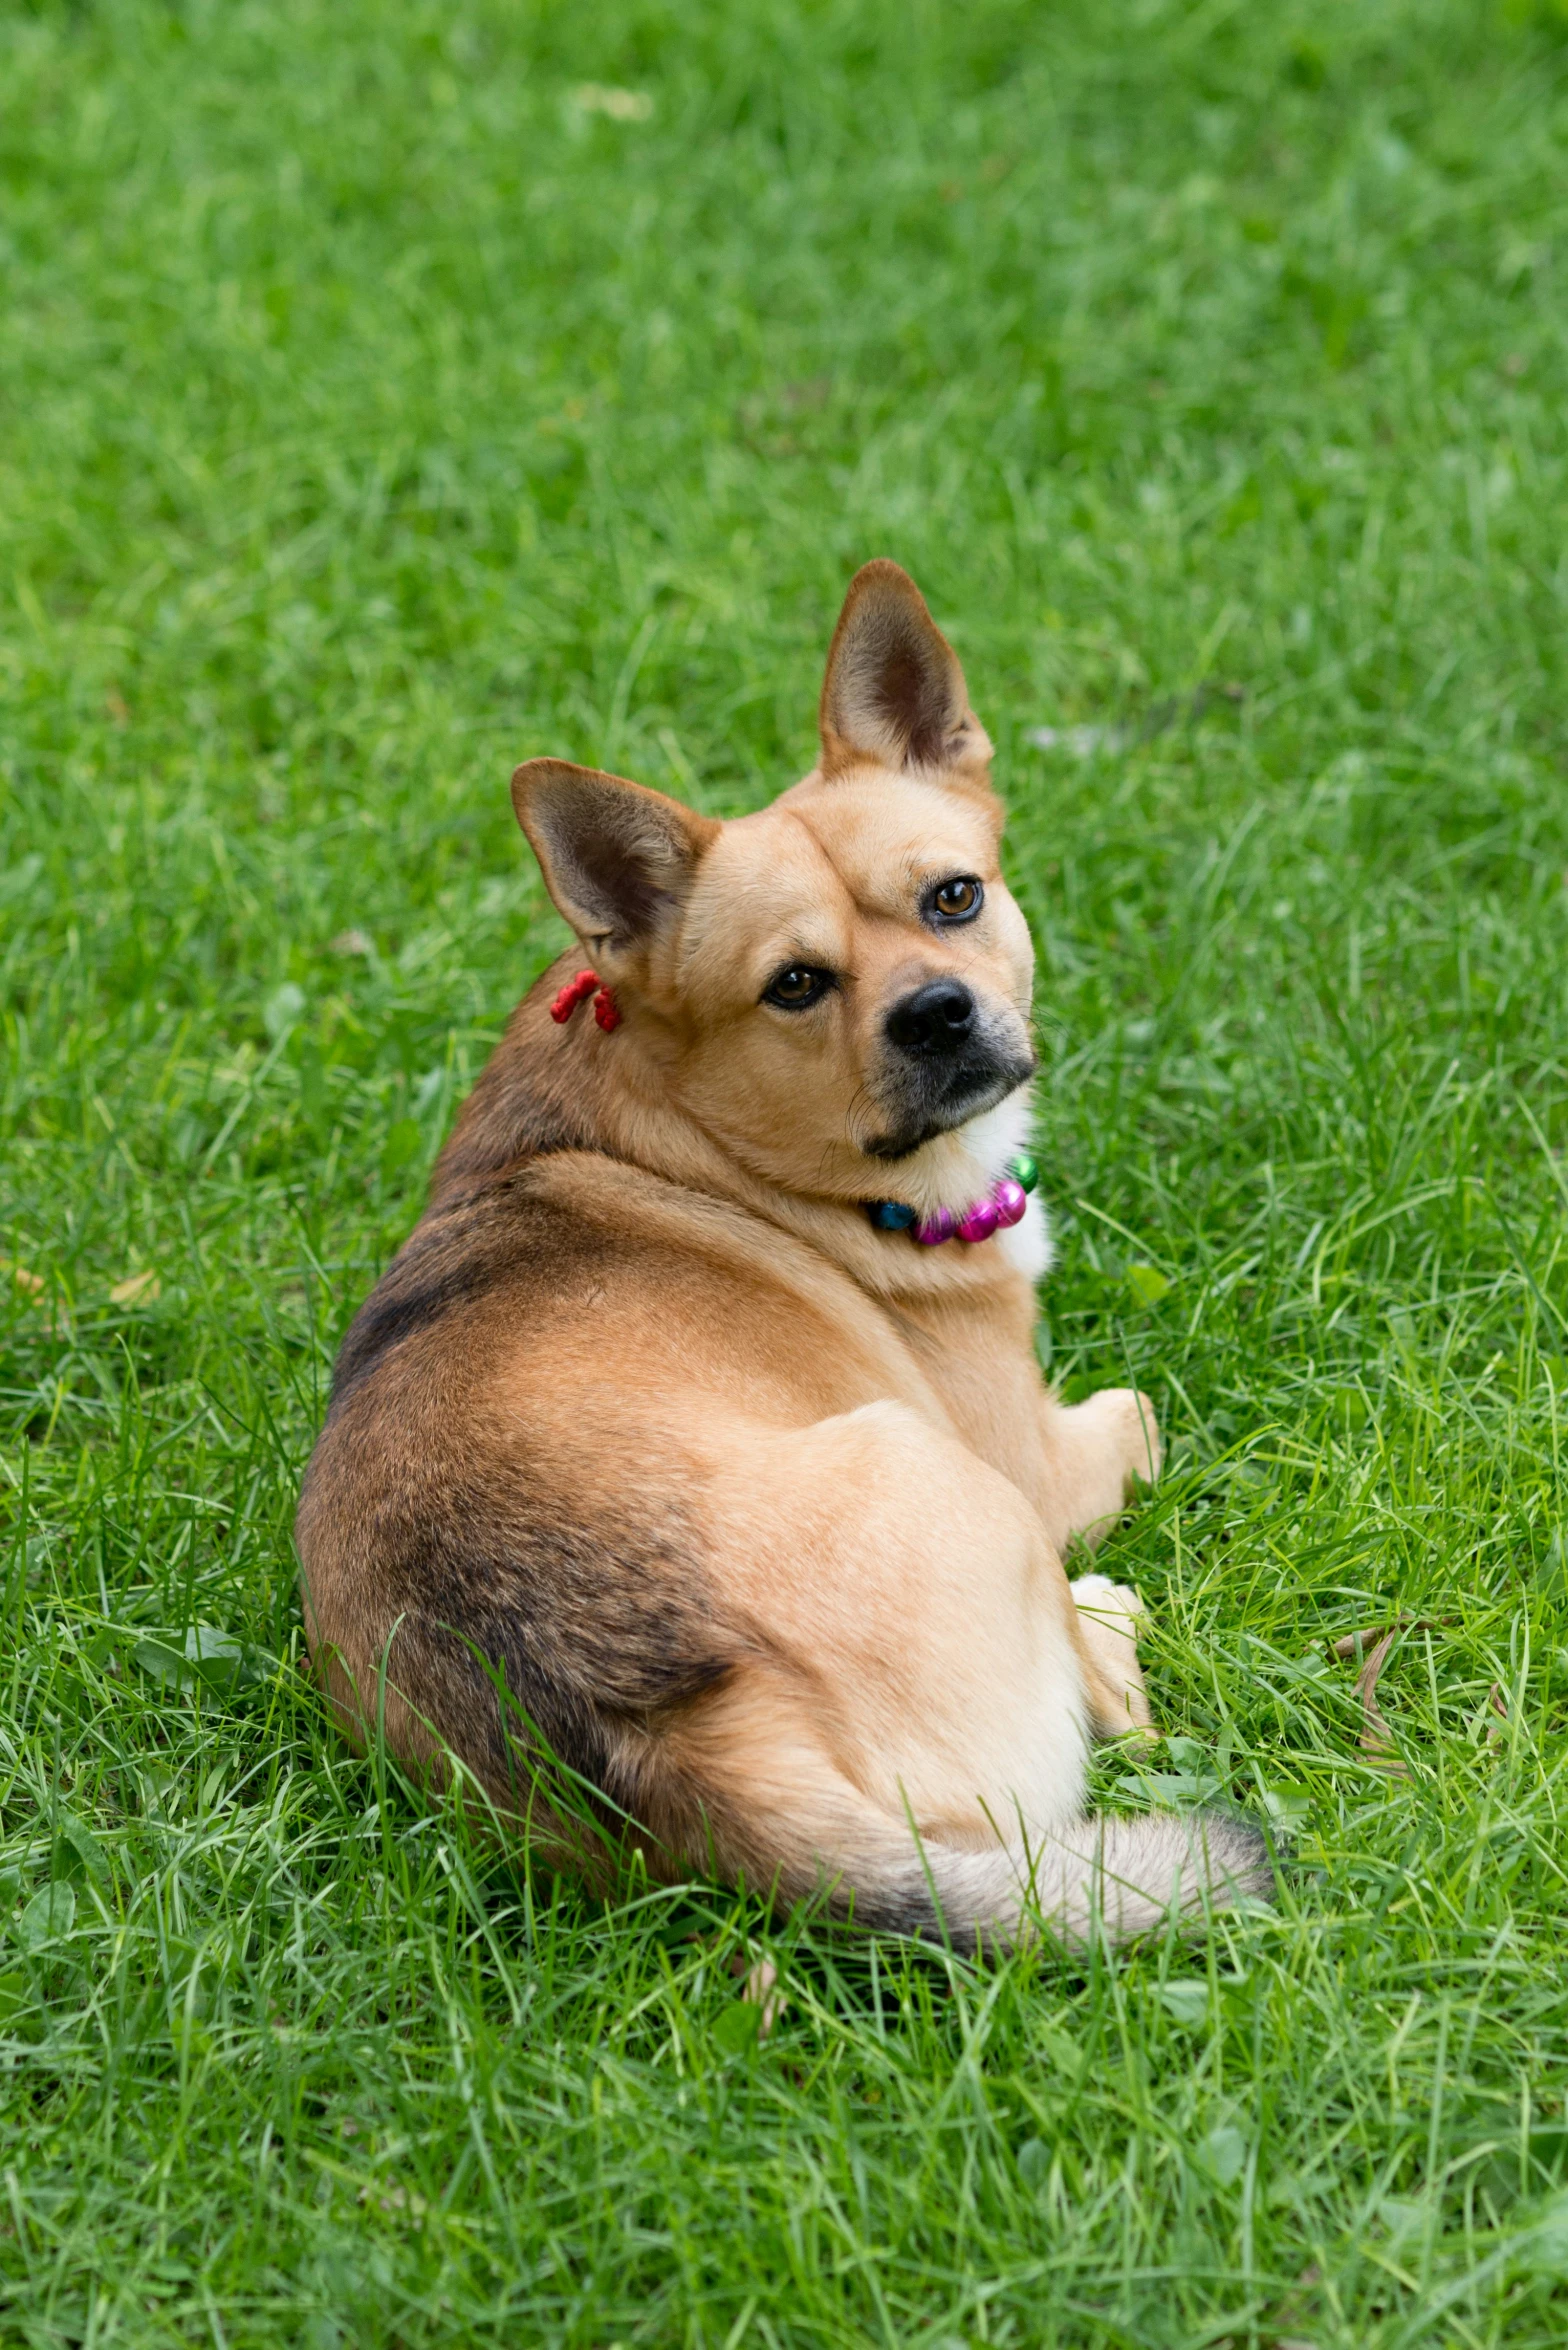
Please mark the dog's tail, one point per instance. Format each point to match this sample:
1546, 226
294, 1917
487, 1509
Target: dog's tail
1120, 1877
780, 1812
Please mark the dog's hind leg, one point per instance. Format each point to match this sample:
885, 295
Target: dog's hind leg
1093, 1456
1110, 1616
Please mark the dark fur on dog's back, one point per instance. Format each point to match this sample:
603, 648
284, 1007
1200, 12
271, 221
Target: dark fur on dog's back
528, 1103
591, 1616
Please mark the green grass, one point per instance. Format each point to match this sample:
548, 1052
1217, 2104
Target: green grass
372, 414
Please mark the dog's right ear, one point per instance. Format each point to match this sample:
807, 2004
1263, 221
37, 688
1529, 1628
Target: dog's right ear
616, 858
894, 691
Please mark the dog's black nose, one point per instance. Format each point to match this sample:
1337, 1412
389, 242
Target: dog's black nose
936, 1019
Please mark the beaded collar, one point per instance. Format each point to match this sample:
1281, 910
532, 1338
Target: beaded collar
1002, 1207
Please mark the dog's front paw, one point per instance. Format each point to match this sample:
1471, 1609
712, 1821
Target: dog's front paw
1115, 1605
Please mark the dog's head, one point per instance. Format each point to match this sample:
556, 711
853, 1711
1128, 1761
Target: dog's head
837, 988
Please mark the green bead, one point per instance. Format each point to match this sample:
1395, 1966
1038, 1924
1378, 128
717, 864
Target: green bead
1025, 1170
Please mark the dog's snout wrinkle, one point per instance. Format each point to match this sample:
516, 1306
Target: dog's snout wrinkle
938, 1018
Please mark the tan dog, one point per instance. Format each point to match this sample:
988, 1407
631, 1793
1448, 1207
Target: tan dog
651, 1448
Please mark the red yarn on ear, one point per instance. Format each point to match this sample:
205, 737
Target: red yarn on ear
606, 1011
575, 992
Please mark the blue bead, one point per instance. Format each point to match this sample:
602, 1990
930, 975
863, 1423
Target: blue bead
890, 1215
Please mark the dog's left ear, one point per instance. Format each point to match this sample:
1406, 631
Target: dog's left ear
617, 859
894, 691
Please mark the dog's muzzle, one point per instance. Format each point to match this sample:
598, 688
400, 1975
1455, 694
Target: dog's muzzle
947, 1060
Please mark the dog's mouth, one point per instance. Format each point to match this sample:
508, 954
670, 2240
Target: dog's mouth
937, 1101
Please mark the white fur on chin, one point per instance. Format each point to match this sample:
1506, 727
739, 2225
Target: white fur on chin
956, 1169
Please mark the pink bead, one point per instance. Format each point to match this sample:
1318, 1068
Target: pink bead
931, 1231
1012, 1201
980, 1222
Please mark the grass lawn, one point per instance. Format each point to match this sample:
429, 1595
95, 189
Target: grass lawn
389, 391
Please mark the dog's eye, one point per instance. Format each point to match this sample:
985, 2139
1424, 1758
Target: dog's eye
958, 900
796, 986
